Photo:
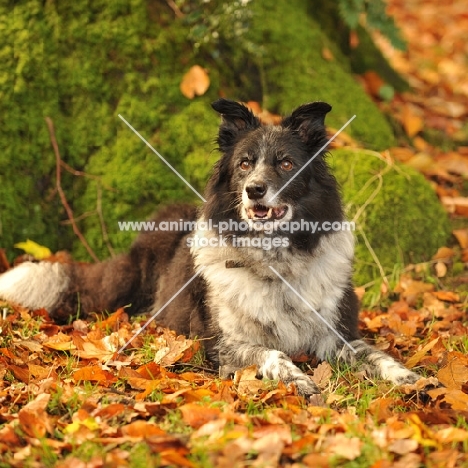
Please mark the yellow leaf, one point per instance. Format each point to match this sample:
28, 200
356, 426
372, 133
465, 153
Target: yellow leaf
413, 360
39, 252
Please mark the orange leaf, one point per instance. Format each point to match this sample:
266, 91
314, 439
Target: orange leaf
196, 415
416, 357
412, 123
141, 430
195, 82
444, 253
60, 342
455, 372
462, 237
33, 417
94, 374
447, 296
327, 54
118, 316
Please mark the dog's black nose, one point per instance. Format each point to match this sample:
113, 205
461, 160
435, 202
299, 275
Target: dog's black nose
256, 190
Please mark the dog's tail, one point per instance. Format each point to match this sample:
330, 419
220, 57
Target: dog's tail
75, 289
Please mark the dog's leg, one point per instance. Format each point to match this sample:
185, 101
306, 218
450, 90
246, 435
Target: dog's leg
271, 364
376, 363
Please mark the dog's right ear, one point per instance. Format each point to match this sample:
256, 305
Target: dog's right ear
237, 118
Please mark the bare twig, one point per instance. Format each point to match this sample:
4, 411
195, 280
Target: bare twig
175, 8
105, 234
63, 199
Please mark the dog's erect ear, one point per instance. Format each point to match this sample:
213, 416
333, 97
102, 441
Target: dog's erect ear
236, 118
308, 120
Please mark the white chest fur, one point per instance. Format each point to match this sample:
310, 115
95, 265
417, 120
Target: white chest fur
252, 304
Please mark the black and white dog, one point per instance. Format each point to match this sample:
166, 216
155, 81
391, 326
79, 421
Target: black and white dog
275, 295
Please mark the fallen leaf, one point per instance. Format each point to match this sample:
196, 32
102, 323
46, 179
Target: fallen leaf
196, 415
247, 382
33, 417
327, 54
322, 374
195, 82
440, 269
443, 254
412, 122
39, 252
462, 237
60, 342
416, 357
94, 374
345, 447
403, 446
455, 372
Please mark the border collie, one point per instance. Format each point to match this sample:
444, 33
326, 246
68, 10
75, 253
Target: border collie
277, 294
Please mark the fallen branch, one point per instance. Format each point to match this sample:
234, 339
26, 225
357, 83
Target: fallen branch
63, 198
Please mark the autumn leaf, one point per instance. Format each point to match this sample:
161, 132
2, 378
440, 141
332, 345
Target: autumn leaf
39, 252
412, 122
195, 82
455, 372
33, 417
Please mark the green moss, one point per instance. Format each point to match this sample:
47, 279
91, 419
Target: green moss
134, 180
84, 63
395, 209
295, 72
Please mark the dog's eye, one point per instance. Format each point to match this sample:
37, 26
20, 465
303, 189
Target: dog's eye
286, 165
245, 165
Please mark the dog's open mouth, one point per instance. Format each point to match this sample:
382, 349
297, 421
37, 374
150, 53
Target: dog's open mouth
267, 213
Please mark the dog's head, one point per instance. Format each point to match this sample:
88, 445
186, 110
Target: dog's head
272, 173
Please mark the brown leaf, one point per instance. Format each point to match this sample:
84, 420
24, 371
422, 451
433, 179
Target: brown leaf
60, 342
462, 237
327, 54
33, 417
416, 357
443, 254
403, 446
440, 269
412, 122
455, 372
447, 296
457, 205
94, 374
196, 415
113, 320
20, 373
195, 82
322, 374
141, 430
345, 447
247, 382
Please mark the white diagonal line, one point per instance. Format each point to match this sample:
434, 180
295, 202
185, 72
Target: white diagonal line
312, 158
159, 311
164, 160
313, 310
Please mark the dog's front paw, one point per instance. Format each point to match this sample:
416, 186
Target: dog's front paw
278, 366
305, 386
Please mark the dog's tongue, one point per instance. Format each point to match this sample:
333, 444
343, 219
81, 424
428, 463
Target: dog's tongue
262, 212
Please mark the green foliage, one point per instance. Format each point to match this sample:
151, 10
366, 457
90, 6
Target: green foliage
396, 211
293, 71
82, 64
376, 18
214, 23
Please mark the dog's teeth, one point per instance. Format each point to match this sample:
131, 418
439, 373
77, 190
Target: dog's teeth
270, 213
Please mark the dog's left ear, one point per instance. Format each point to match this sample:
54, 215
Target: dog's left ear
237, 118
308, 121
